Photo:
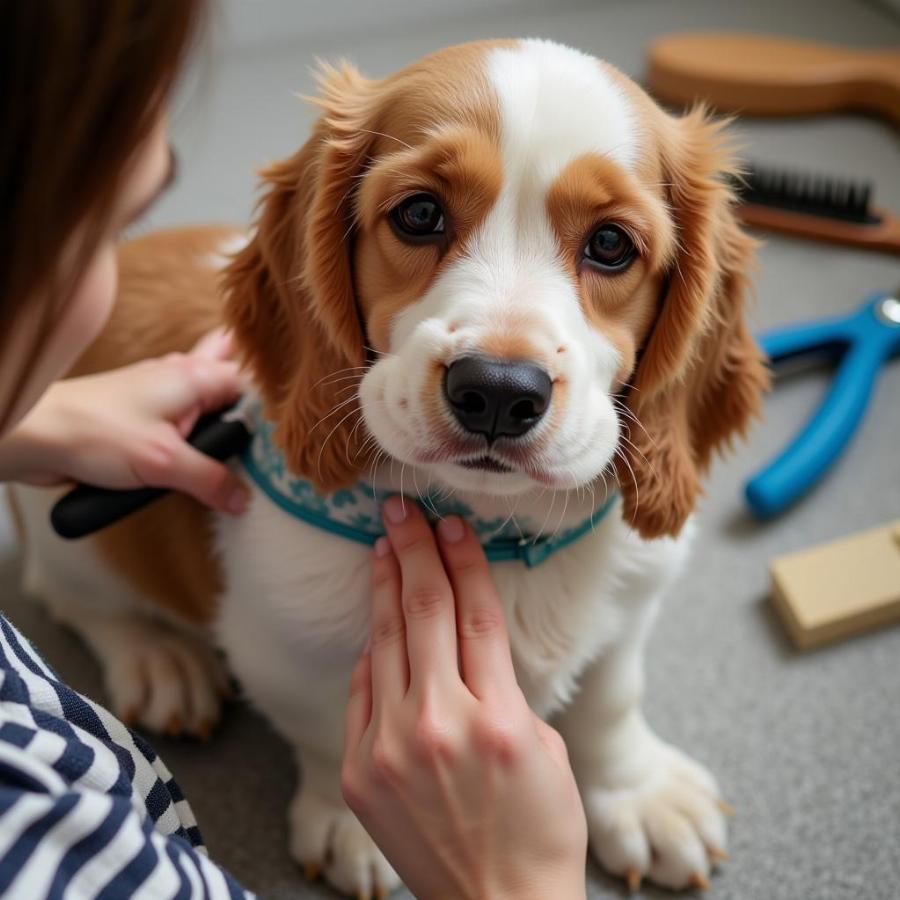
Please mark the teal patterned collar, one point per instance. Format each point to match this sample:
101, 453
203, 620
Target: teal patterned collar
354, 513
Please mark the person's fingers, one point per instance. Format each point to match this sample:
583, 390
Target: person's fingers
220, 345
213, 383
170, 462
390, 669
217, 344
484, 651
359, 703
203, 385
426, 595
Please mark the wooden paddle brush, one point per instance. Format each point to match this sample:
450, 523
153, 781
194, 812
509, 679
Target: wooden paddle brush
773, 76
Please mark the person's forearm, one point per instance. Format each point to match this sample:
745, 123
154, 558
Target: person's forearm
29, 452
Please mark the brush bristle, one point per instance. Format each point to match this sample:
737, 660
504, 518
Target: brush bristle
812, 194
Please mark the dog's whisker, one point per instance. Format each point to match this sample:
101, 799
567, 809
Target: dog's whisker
363, 451
633, 417
540, 531
624, 459
625, 436
650, 439
356, 428
374, 473
640, 453
565, 508
425, 498
512, 516
402, 494
340, 392
343, 371
382, 353
389, 137
353, 412
336, 409
592, 489
371, 438
350, 438
415, 482
339, 379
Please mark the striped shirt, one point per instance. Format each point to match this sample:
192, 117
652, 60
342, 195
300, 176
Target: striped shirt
87, 809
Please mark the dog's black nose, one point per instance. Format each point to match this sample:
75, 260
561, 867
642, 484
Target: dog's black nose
497, 398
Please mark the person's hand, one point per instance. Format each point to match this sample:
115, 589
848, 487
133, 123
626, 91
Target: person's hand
126, 428
464, 789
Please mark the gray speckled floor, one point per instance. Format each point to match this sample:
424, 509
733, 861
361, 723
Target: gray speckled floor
806, 746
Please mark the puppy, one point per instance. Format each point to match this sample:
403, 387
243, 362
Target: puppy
503, 279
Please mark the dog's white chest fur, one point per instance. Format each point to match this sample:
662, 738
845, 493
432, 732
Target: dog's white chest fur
296, 605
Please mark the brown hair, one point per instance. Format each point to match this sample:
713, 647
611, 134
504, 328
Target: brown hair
291, 298
701, 377
83, 84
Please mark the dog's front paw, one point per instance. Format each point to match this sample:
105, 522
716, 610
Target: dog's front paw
327, 838
162, 679
668, 826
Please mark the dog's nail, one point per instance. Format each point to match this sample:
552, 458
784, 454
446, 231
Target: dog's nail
311, 871
363, 895
130, 716
633, 879
205, 730
717, 854
380, 893
725, 807
174, 725
699, 881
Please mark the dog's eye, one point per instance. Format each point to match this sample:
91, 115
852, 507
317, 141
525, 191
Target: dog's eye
420, 216
609, 248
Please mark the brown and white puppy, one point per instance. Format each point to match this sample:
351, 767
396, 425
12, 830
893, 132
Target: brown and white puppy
515, 204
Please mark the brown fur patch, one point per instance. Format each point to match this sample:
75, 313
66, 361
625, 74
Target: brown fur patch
700, 376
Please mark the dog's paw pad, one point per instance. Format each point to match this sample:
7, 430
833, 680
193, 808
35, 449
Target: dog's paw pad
668, 827
164, 681
326, 837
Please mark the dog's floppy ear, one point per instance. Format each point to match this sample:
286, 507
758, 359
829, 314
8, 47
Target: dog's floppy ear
290, 297
701, 376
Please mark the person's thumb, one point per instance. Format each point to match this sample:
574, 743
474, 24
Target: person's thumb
183, 468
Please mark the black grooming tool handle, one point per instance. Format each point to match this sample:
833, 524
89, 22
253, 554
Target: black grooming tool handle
86, 509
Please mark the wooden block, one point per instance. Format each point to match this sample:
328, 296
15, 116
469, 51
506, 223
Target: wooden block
841, 588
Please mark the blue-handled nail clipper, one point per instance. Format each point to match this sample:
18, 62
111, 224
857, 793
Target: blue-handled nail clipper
862, 342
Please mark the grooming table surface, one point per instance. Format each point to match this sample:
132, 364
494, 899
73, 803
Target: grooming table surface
806, 746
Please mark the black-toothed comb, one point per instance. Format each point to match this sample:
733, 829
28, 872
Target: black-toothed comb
816, 206
86, 509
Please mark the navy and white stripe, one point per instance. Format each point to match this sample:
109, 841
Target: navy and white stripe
87, 809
